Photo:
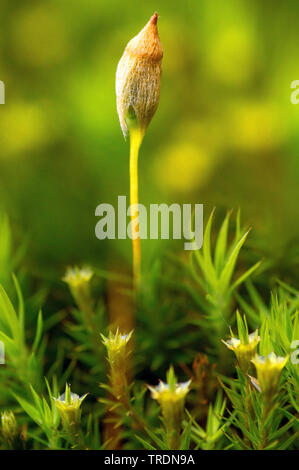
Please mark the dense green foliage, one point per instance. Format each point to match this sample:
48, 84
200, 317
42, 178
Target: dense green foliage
183, 313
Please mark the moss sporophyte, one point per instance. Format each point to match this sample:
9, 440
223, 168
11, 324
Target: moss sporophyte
137, 90
184, 309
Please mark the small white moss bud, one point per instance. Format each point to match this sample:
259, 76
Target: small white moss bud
268, 371
138, 78
171, 397
118, 352
244, 350
78, 281
69, 406
9, 427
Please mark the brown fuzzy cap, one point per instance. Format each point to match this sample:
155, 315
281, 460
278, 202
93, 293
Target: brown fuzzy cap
138, 77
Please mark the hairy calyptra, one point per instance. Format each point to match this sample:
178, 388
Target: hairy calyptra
138, 78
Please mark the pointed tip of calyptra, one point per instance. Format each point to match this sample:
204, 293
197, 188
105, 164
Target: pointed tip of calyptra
154, 19
147, 42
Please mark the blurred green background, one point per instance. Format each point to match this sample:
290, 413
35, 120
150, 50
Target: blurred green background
225, 132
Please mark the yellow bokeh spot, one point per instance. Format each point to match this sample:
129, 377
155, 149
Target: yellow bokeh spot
183, 167
231, 56
23, 128
256, 127
38, 37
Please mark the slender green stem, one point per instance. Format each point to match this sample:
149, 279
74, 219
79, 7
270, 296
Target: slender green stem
136, 136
